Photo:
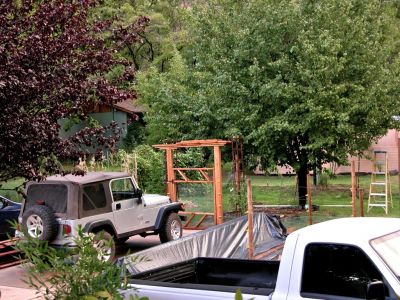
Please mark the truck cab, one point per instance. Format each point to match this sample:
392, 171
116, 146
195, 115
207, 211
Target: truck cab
342, 259
351, 258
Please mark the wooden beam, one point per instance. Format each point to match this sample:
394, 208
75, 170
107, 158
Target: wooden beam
219, 218
189, 220
185, 178
197, 225
309, 200
353, 189
193, 181
171, 185
361, 196
193, 143
250, 219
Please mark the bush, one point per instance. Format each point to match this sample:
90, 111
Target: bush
150, 169
75, 274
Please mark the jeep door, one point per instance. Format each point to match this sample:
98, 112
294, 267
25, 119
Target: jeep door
126, 206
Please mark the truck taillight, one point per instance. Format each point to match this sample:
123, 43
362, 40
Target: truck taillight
66, 229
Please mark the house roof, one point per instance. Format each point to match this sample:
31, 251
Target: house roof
129, 106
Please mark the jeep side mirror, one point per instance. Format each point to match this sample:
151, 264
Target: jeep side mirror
375, 290
139, 193
2, 204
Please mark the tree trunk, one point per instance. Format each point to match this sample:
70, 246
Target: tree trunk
302, 185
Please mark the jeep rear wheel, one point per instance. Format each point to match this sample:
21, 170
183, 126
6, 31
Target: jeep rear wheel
171, 229
40, 223
105, 245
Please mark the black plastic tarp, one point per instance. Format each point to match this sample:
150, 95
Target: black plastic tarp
228, 240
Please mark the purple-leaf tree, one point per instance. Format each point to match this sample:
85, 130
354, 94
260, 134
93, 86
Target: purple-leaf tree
53, 62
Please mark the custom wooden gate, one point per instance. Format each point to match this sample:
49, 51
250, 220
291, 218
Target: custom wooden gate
208, 175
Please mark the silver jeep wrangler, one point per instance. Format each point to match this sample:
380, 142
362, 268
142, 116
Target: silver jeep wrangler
110, 205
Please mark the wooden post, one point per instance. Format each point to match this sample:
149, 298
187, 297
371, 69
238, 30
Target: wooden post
237, 173
219, 218
171, 185
361, 196
398, 159
309, 200
135, 166
353, 189
250, 219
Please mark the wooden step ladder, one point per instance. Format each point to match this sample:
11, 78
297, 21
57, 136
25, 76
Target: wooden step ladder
380, 191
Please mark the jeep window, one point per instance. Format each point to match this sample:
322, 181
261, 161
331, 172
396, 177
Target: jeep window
123, 189
94, 196
52, 195
337, 270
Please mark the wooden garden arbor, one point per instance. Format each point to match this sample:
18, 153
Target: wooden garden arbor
215, 179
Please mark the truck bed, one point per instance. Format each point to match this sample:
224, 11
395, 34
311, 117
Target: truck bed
218, 274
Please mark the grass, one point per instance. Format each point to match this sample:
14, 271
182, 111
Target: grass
276, 190
282, 190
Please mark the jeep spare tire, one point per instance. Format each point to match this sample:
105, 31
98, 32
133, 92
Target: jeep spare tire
171, 229
39, 222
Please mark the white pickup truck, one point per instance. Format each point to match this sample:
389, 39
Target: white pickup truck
351, 258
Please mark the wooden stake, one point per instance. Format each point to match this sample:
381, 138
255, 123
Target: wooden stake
250, 219
398, 158
171, 185
353, 188
309, 200
361, 196
219, 211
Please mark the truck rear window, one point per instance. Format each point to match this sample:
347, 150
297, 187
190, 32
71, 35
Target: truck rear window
337, 270
52, 195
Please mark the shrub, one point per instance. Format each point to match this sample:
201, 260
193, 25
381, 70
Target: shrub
75, 274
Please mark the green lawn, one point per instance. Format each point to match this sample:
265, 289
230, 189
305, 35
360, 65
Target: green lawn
276, 190
333, 201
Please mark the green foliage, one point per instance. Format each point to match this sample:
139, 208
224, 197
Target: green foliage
323, 180
162, 35
134, 136
171, 112
150, 169
75, 274
304, 82
238, 295
238, 201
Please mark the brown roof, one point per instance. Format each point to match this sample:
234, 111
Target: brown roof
129, 106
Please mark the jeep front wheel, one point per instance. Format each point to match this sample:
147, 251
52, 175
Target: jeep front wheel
171, 229
104, 243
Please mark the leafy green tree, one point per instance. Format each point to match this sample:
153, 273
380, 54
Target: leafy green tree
162, 35
305, 82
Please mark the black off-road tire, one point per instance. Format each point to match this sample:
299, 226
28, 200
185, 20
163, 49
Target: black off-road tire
105, 244
43, 218
171, 228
